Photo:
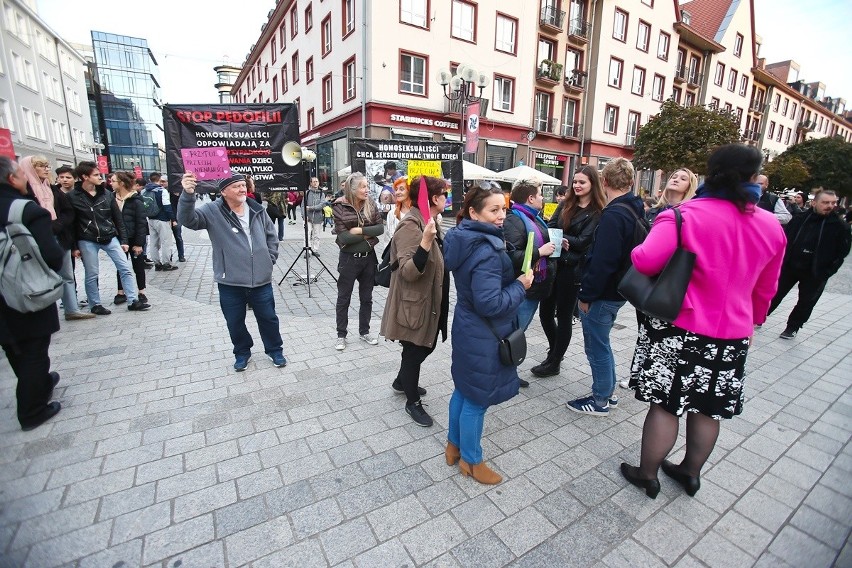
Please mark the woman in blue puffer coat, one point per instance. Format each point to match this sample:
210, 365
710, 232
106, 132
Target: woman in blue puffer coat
486, 287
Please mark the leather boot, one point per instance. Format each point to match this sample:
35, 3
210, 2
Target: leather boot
548, 368
480, 472
452, 453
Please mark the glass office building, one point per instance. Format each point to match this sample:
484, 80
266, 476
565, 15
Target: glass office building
124, 92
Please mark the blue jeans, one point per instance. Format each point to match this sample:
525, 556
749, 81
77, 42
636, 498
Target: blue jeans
465, 429
89, 251
281, 222
597, 324
233, 300
526, 313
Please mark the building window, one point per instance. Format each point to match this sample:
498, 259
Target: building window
284, 80
776, 103
663, 46
659, 87
689, 99
294, 64
34, 124
543, 112
714, 103
309, 70
326, 35
720, 74
275, 88
643, 37
414, 12
464, 21
294, 23
569, 118
309, 18
611, 119
6, 116
282, 34
743, 85
648, 3
738, 45
787, 137
771, 132
60, 133
72, 99
633, 121
694, 63
348, 18
504, 93
349, 79
412, 73
311, 121
573, 62
793, 111
616, 66
676, 94
506, 36
732, 80
619, 26
728, 107
786, 104
273, 49
266, 73
780, 133
326, 93
638, 85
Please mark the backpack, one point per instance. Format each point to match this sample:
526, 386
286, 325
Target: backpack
384, 269
152, 209
27, 283
641, 228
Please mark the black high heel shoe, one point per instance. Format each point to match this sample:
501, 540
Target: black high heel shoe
690, 484
631, 474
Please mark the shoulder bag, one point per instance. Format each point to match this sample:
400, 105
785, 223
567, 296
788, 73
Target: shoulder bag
512, 348
661, 296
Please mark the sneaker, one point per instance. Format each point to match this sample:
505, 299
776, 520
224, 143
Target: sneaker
587, 405
278, 360
241, 362
420, 417
575, 320
74, 316
119, 299
138, 306
99, 310
181, 259
624, 383
788, 333
369, 339
613, 401
167, 267
143, 298
341, 344
83, 303
157, 266
397, 387
524, 384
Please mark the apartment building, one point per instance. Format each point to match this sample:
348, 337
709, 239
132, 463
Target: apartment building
42, 89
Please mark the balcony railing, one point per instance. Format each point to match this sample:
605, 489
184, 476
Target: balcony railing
576, 80
680, 75
457, 107
552, 17
806, 125
694, 78
547, 125
571, 130
549, 70
579, 30
751, 136
756, 106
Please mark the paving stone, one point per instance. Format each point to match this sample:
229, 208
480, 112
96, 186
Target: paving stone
441, 496
210, 554
289, 498
397, 517
732, 477
390, 554
123, 555
666, 536
77, 544
184, 483
99, 486
830, 503
561, 508
433, 538
305, 554
630, 554
381, 465
57, 523
238, 467
316, 518
242, 515
477, 514
821, 527
798, 549
742, 532
484, 550
138, 523
592, 487
347, 540
259, 482
177, 538
204, 501
68, 474
717, 552
524, 531
159, 469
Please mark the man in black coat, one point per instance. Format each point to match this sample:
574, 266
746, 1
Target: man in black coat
817, 243
25, 337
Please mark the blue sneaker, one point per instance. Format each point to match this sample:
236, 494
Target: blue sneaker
587, 405
278, 359
613, 401
241, 362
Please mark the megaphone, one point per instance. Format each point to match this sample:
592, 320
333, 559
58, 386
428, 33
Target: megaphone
293, 153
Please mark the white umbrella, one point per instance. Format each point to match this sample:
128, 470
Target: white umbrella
526, 172
475, 172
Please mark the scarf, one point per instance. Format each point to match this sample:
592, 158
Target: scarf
535, 224
41, 189
753, 190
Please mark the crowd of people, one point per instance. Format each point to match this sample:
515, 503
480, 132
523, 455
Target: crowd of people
507, 263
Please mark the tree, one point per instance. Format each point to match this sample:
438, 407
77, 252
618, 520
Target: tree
683, 137
786, 171
829, 161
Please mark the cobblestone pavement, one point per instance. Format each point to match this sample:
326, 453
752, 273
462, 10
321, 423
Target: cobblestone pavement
163, 456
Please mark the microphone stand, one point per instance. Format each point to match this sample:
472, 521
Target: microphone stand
308, 252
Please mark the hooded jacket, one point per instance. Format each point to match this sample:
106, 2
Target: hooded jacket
97, 218
234, 262
486, 287
135, 221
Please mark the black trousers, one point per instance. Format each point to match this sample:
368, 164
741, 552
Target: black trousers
178, 234
810, 290
291, 209
351, 269
409, 368
138, 264
555, 312
30, 361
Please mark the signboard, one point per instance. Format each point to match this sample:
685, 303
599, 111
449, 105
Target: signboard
7, 148
217, 141
472, 128
103, 165
137, 171
411, 158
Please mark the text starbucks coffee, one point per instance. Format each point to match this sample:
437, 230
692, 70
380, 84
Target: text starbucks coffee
407, 119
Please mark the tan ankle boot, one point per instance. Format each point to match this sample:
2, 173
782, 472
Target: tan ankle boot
452, 453
480, 472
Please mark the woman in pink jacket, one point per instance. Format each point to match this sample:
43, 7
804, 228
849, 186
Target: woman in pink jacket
696, 364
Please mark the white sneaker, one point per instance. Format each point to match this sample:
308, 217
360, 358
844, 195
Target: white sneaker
625, 384
369, 339
341, 344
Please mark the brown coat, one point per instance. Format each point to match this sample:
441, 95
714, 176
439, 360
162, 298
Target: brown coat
413, 308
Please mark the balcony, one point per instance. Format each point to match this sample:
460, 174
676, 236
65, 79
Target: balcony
630, 140
806, 125
751, 137
576, 80
571, 130
694, 78
756, 106
546, 125
579, 31
551, 18
549, 72
680, 75
456, 107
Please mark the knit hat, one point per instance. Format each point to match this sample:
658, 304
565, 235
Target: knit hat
228, 181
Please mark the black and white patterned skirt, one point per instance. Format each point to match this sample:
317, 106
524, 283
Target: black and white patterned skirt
685, 371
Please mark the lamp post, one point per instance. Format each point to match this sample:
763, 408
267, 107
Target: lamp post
457, 88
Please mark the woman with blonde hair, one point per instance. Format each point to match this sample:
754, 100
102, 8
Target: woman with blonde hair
37, 171
357, 224
680, 187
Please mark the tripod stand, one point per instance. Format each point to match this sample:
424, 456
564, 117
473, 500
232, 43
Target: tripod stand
308, 252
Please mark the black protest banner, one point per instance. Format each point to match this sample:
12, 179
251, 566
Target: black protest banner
409, 158
217, 141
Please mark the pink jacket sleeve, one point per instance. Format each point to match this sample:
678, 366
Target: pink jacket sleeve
651, 257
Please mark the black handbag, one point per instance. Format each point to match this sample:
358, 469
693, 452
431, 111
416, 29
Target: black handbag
512, 348
661, 296
384, 269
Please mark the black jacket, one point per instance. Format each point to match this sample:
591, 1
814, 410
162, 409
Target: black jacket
580, 233
43, 322
610, 250
98, 218
63, 225
135, 220
832, 242
515, 233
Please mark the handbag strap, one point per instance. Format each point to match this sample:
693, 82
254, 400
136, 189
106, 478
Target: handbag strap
678, 222
491, 327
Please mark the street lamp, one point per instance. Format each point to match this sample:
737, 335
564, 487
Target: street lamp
457, 88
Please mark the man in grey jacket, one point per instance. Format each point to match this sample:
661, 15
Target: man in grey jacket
245, 247
313, 213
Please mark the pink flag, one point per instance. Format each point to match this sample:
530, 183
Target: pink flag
423, 199
472, 128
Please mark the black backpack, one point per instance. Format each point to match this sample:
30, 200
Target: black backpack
384, 268
641, 228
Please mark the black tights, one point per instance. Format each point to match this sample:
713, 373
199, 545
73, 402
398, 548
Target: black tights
555, 313
660, 433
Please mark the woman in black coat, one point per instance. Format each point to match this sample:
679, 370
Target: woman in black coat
136, 224
577, 216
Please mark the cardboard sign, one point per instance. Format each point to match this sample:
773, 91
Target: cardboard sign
7, 148
206, 163
424, 168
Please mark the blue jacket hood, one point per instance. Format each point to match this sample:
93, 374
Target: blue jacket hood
466, 237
